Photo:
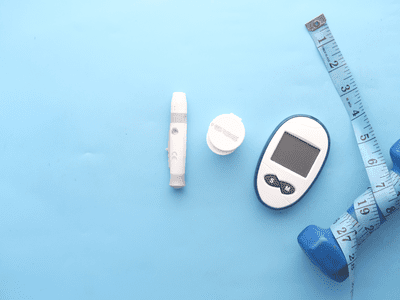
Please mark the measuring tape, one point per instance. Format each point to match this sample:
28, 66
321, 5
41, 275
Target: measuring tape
381, 197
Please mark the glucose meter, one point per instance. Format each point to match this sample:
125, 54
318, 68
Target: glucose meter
291, 161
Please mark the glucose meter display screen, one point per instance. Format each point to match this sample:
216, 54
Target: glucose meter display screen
295, 154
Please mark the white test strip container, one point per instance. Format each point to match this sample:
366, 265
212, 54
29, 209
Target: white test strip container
225, 134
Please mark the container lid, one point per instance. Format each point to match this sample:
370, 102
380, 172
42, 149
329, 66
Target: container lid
225, 134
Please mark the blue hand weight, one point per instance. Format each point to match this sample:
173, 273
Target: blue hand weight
321, 246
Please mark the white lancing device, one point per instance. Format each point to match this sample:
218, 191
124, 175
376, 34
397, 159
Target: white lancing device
177, 140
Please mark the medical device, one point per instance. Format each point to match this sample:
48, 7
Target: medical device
225, 134
177, 140
291, 161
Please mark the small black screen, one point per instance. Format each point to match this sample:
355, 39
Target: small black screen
295, 154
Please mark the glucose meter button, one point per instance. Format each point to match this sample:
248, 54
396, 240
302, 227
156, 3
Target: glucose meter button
287, 188
272, 180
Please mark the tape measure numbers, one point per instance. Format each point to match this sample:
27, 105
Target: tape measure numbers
348, 232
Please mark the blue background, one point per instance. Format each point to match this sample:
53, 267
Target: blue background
86, 209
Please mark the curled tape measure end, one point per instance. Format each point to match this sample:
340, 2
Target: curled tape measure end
316, 23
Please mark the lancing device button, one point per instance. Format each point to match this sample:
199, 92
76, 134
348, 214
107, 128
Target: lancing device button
225, 134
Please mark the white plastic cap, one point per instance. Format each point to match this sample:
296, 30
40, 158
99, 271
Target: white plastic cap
225, 134
178, 103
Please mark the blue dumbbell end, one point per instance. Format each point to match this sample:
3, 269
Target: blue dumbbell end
395, 155
322, 249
